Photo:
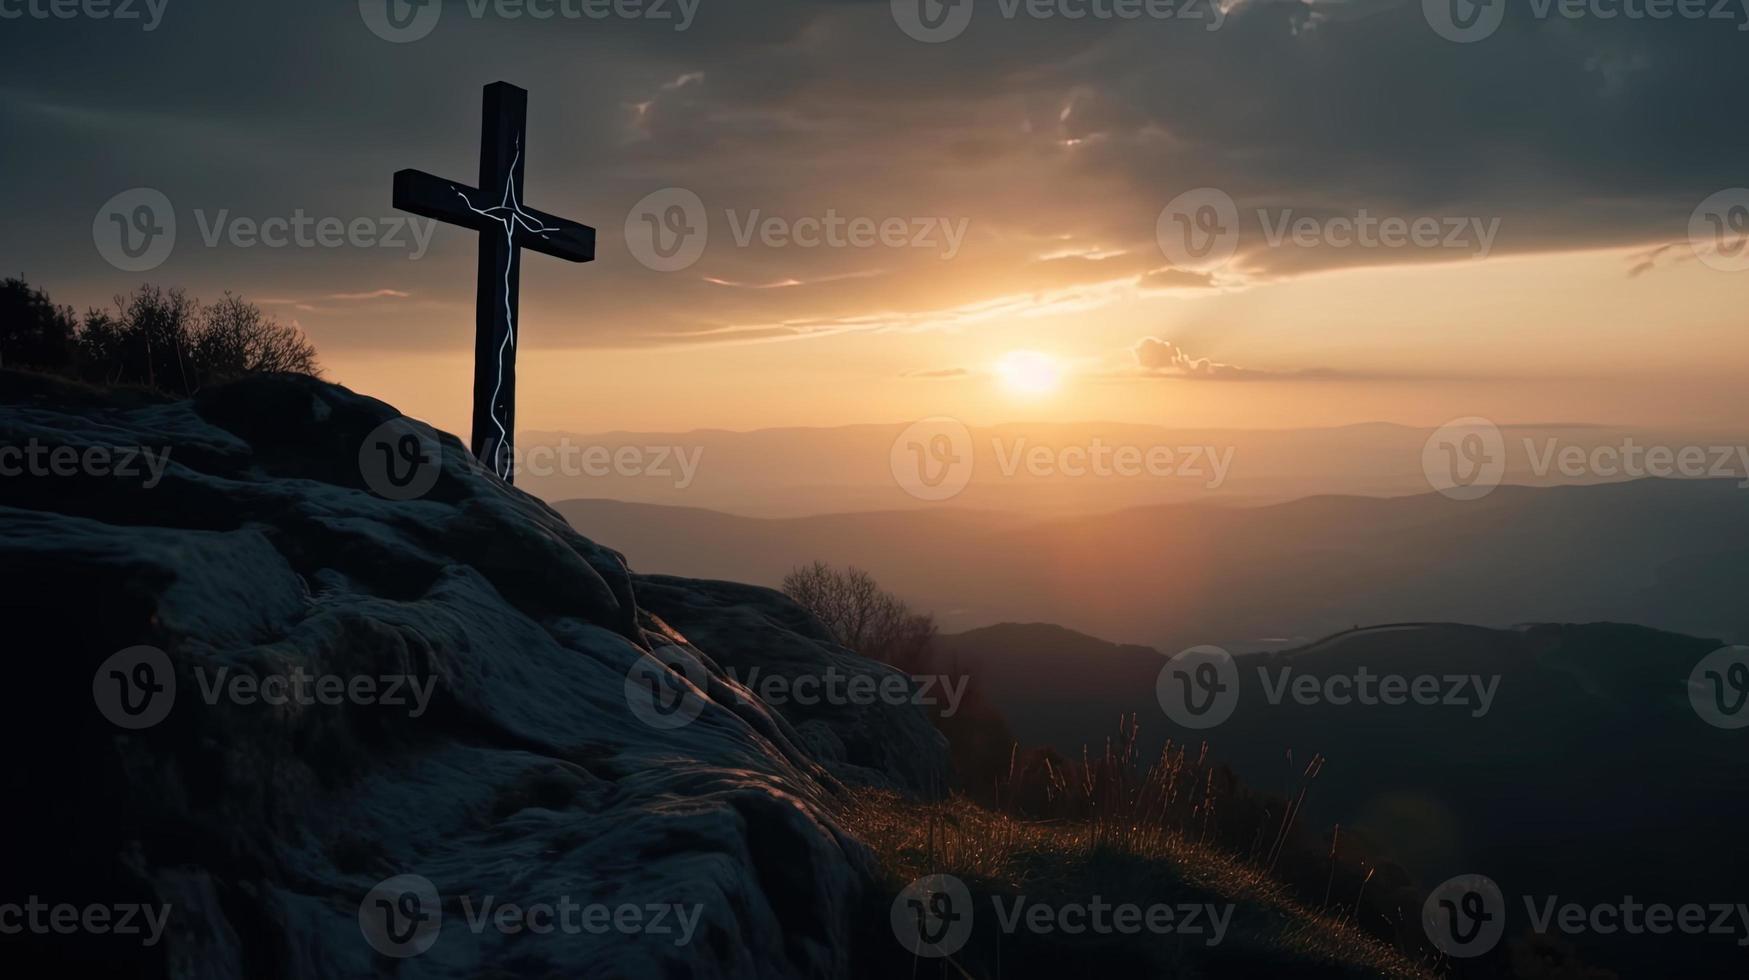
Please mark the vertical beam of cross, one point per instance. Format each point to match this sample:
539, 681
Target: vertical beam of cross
506, 226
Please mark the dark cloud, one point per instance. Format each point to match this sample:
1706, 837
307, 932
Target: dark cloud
1057, 142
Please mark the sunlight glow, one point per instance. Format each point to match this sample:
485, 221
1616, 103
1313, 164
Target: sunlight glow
1030, 373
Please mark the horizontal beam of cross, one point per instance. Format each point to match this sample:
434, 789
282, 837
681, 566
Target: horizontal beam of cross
445, 200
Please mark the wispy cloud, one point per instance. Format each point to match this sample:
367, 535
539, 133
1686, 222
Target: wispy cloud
1155, 358
939, 374
373, 294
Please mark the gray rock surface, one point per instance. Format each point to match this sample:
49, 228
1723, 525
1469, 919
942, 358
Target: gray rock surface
530, 775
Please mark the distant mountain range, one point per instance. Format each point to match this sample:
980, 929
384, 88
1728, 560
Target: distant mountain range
1585, 772
1668, 554
800, 471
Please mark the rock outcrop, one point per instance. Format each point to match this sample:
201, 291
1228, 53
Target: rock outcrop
367, 726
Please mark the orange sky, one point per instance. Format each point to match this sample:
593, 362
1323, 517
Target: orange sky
1053, 152
1559, 337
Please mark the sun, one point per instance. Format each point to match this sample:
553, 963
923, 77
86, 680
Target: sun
1029, 373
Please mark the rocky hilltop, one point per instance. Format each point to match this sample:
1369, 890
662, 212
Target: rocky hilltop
335, 734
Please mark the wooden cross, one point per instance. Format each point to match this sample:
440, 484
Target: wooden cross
506, 227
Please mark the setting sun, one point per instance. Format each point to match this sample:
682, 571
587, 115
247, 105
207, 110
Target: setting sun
1026, 372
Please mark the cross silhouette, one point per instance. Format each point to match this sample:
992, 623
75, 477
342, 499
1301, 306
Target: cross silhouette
506, 227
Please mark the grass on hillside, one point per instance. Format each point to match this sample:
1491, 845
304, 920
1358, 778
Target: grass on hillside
1122, 858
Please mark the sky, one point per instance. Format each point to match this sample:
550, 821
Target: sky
1263, 215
